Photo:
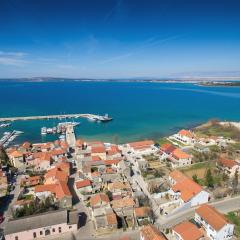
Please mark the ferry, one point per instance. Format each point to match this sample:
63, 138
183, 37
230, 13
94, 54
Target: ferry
99, 118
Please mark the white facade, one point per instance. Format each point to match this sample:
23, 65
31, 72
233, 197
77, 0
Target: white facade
183, 139
200, 198
225, 233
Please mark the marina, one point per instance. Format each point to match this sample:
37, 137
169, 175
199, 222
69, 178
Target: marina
3, 125
59, 129
9, 137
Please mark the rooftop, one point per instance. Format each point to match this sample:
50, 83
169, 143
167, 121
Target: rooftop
212, 216
188, 230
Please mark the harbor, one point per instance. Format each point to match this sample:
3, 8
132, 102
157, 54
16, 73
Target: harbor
92, 117
9, 137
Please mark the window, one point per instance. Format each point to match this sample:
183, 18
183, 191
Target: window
47, 232
40, 232
34, 235
53, 230
60, 229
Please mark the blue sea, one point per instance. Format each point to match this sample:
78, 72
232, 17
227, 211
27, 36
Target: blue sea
140, 110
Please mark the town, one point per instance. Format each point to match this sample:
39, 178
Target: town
184, 187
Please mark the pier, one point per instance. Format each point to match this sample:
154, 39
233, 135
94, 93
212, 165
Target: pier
60, 116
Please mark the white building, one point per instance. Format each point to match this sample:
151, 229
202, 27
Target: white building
215, 224
185, 136
228, 166
178, 158
142, 148
186, 190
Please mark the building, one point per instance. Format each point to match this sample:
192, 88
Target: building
185, 136
186, 190
83, 186
178, 158
228, 166
150, 232
215, 224
59, 191
143, 147
143, 215
99, 200
16, 158
186, 231
38, 226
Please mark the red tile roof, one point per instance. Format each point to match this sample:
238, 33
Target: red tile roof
98, 149
188, 231
212, 216
83, 183
60, 189
99, 198
186, 133
150, 232
141, 144
179, 154
57, 174
227, 162
124, 202
142, 211
188, 189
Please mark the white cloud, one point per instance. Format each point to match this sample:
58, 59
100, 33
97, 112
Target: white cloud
11, 61
13, 58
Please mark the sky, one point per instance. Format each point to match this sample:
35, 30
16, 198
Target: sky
119, 38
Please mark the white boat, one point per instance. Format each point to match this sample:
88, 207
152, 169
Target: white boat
43, 130
49, 130
62, 137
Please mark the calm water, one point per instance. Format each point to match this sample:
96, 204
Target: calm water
140, 110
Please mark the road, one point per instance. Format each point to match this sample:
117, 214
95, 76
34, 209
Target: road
224, 206
15, 193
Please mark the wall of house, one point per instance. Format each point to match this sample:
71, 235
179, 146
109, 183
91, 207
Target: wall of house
200, 198
52, 230
225, 233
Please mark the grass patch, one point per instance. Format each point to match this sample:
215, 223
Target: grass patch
233, 218
216, 129
162, 141
196, 166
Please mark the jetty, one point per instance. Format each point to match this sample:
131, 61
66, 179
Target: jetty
58, 116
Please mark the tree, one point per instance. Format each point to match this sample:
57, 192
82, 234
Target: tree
235, 181
195, 178
4, 157
209, 179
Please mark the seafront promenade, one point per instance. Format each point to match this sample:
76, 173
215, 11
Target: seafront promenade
60, 116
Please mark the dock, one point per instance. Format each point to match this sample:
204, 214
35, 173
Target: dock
58, 116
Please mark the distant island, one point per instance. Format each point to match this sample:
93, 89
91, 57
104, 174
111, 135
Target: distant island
201, 81
223, 83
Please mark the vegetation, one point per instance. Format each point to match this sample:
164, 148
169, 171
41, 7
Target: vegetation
4, 157
205, 156
214, 128
35, 207
235, 219
162, 141
209, 179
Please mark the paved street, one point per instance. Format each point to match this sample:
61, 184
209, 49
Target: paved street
11, 200
224, 206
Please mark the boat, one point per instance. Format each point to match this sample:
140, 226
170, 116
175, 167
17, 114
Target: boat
105, 118
62, 137
43, 130
49, 130
3, 125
